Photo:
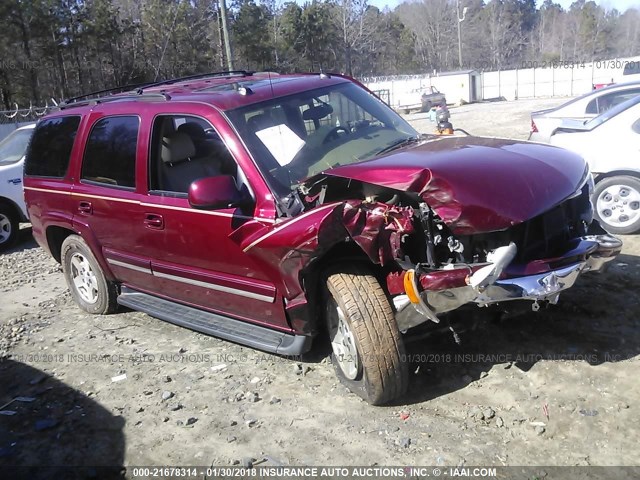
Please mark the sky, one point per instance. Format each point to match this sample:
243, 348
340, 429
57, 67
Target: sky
621, 5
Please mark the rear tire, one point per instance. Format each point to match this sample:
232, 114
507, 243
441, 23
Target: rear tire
367, 348
87, 283
9, 227
616, 203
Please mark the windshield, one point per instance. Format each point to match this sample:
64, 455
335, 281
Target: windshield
294, 137
13, 147
612, 112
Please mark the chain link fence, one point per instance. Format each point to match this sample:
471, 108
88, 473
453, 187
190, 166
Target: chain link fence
12, 119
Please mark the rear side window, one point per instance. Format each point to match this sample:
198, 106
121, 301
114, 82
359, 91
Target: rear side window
632, 68
50, 148
605, 102
110, 155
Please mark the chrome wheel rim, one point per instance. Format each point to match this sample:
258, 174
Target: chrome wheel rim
84, 278
343, 343
619, 205
5, 228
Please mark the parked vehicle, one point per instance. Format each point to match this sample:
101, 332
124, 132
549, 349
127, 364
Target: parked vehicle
265, 209
432, 98
12, 206
611, 145
630, 71
423, 99
582, 108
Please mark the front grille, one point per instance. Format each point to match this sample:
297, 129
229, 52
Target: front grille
549, 234
544, 236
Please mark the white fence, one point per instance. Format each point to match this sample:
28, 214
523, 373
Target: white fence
562, 79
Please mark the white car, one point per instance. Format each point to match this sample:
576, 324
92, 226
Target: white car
630, 71
582, 108
610, 143
12, 207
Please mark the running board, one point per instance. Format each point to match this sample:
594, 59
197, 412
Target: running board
216, 325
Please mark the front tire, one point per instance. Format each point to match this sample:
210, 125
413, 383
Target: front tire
367, 348
87, 283
9, 226
617, 204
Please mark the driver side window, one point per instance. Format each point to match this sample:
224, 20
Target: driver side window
184, 149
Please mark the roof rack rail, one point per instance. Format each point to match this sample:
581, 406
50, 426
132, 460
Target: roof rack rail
229, 73
138, 88
114, 98
102, 93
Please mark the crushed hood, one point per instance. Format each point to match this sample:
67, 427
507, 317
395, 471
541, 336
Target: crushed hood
476, 184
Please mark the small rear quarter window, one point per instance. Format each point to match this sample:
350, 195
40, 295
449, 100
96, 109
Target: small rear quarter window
50, 148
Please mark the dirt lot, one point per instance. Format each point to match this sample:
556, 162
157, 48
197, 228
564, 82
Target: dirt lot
492, 119
557, 387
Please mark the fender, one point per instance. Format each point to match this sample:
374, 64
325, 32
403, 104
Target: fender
84, 230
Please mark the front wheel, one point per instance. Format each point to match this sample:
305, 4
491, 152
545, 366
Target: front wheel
367, 348
617, 204
89, 287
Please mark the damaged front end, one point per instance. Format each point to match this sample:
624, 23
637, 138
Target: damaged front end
533, 261
428, 293
430, 270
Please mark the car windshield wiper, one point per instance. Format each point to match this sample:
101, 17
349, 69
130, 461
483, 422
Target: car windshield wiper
400, 143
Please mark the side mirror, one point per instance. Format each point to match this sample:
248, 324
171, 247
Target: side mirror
216, 193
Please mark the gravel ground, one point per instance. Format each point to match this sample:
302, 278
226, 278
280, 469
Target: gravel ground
556, 387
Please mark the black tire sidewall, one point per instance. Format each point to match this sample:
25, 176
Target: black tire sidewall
15, 226
362, 385
75, 244
358, 385
625, 180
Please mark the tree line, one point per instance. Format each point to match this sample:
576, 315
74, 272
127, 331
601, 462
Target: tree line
61, 48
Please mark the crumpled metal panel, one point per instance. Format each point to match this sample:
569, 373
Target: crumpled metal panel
285, 249
475, 185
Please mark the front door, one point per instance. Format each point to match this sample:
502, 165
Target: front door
192, 258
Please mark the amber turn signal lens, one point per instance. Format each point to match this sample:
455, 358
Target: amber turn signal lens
410, 286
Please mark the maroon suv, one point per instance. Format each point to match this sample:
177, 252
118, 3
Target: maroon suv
264, 208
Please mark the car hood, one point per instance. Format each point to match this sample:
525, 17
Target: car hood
476, 184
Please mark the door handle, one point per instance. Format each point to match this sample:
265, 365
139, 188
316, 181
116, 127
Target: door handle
85, 207
153, 220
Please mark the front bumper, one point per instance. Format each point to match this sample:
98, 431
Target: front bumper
543, 281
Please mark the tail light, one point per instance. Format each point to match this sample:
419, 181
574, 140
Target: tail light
534, 128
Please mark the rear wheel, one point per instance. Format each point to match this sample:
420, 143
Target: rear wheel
617, 204
367, 348
9, 226
89, 287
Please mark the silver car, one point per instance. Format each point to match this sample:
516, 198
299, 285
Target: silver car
585, 107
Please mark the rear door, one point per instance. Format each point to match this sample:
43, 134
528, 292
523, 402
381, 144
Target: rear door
621, 131
106, 202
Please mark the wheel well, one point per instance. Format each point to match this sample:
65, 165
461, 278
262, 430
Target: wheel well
55, 237
311, 277
616, 173
14, 208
